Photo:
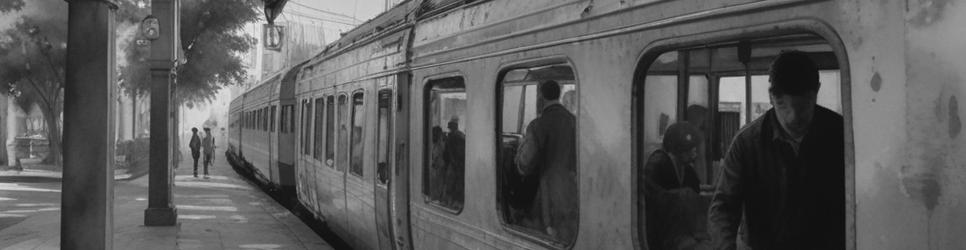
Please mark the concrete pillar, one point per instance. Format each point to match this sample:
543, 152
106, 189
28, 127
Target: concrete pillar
88, 185
161, 210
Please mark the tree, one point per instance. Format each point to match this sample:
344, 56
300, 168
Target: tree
32, 59
213, 45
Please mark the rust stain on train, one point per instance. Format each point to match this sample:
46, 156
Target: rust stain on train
876, 82
924, 13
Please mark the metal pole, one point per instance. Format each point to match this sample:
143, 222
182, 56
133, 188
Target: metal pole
88, 190
161, 210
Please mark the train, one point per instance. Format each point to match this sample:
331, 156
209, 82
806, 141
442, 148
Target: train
355, 131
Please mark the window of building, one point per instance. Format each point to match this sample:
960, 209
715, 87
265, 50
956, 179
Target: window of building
330, 130
356, 146
385, 135
521, 167
343, 143
445, 142
291, 118
712, 91
318, 129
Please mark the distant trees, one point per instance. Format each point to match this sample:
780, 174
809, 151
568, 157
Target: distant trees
33, 49
32, 60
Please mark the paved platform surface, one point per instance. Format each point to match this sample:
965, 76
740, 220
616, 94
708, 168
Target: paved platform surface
223, 212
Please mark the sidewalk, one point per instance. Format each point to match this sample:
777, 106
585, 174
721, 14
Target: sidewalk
224, 212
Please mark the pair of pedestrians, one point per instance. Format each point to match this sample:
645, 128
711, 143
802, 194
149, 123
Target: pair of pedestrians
197, 144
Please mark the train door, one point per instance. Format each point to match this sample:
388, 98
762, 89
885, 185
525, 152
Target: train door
384, 133
342, 159
399, 171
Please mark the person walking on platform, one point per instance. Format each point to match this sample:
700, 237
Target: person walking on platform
208, 144
195, 145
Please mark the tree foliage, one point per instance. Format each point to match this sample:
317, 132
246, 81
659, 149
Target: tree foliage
32, 60
213, 46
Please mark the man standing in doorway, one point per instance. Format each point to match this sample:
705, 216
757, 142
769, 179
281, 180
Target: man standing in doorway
548, 151
785, 172
208, 143
195, 145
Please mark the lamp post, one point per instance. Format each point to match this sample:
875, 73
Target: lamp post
162, 29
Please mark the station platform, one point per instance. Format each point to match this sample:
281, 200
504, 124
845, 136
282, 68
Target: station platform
223, 212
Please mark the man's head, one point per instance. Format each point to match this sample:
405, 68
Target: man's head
207, 130
794, 90
454, 124
549, 90
681, 140
194, 130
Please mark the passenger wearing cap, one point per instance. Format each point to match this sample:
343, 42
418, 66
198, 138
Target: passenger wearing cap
785, 171
671, 191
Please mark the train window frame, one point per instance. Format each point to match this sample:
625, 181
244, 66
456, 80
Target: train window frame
383, 177
521, 122
362, 134
650, 53
425, 117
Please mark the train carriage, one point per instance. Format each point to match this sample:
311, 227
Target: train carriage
372, 110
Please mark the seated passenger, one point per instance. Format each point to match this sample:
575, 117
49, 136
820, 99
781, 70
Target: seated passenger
547, 150
673, 209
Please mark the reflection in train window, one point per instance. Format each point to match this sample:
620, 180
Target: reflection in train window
385, 135
695, 100
445, 142
330, 130
317, 153
358, 119
537, 172
343, 143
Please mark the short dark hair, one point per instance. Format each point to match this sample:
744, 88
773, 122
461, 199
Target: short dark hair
793, 73
207, 129
550, 90
194, 129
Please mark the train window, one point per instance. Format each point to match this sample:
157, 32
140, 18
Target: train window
306, 127
356, 146
318, 129
695, 100
330, 130
283, 119
291, 118
343, 143
385, 134
271, 120
445, 107
537, 173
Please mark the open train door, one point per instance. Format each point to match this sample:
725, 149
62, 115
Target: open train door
399, 182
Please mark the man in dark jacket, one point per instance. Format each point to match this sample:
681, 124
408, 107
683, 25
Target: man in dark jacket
548, 151
674, 211
785, 171
195, 145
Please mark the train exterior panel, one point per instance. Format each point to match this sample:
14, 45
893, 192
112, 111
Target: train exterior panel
894, 70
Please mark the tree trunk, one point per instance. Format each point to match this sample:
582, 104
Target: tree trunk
52, 117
